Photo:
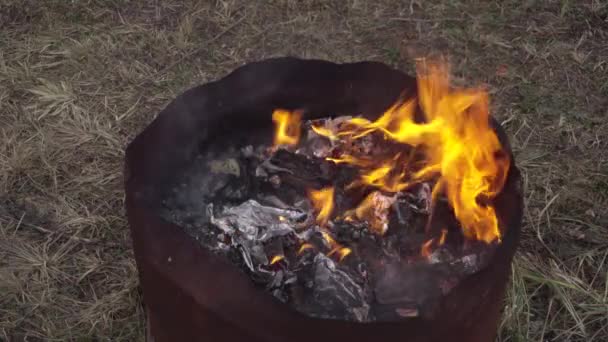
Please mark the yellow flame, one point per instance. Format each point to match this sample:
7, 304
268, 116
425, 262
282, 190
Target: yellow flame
336, 248
304, 247
427, 248
287, 131
461, 150
328, 238
323, 202
276, 259
324, 132
341, 251
426, 251
349, 159
449, 126
468, 152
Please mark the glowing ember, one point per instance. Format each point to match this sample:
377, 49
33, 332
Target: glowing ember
288, 127
461, 154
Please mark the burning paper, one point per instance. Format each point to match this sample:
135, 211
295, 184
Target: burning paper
334, 219
460, 149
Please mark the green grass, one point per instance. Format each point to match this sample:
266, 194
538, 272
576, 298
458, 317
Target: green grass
78, 80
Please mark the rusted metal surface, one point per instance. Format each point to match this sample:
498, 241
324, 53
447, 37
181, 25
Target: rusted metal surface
192, 295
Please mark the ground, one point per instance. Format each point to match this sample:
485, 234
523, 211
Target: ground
79, 79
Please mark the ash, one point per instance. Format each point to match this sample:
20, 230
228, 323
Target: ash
250, 205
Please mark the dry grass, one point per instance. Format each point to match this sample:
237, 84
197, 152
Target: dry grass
78, 79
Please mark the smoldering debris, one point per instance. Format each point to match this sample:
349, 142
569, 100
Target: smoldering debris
250, 204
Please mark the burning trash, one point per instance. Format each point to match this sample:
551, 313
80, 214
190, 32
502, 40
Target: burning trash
355, 219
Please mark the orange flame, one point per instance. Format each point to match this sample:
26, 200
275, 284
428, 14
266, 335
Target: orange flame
324, 132
342, 252
461, 150
468, 156
328, 238
276, 259
323, 202
336, 248
287, 127
426, 249
444, 234
304, 247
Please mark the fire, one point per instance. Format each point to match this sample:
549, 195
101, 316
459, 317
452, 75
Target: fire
336, 248
426, 249
342, 252
322, 131
449, 127
276, 259
305, 246
374, 210
444, 234
323, 202
468, 157
287, 127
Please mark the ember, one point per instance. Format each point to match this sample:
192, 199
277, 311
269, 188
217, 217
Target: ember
338, 217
